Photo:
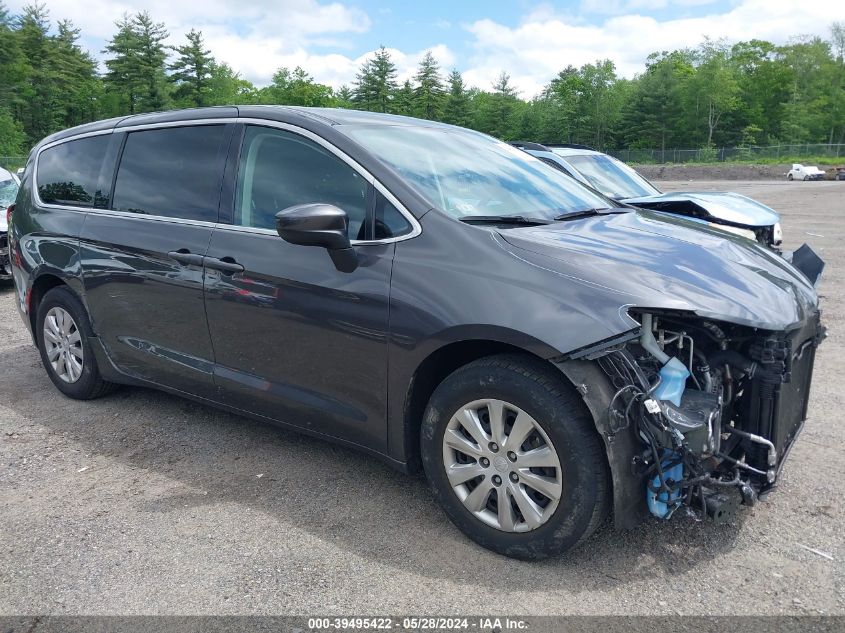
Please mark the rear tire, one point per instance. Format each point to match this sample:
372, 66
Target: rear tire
516, 390
62, 330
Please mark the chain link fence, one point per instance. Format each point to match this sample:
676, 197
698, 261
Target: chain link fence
12, 162
768, 153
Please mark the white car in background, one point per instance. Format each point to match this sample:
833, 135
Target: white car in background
9, 185
727, 211
804, 172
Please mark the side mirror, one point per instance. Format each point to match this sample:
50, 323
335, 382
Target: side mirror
319, 225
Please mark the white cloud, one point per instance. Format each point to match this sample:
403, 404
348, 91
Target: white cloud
256, 37
546, 41
626, 6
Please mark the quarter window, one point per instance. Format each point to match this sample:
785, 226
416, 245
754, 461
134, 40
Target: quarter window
173, 172
68, 173
279, 169
389, 221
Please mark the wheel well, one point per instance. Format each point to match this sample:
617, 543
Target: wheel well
41, 287
431, 372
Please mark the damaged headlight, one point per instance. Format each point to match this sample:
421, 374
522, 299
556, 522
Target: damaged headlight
777, 234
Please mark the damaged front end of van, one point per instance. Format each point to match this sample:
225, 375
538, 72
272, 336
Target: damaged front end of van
701, 396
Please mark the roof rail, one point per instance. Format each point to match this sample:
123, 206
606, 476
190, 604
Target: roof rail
534, 147
571, 146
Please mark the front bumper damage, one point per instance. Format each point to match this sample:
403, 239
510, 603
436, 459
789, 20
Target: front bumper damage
719, 444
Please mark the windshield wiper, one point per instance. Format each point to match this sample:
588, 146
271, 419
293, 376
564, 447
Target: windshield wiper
586, 213
504, 219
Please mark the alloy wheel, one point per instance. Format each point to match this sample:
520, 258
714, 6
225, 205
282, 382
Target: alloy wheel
63, 344
502, 465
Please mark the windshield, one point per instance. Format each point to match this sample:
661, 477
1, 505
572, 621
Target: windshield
610, 176
8, 193
465, 173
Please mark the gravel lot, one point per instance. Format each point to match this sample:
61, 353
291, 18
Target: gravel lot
146, 503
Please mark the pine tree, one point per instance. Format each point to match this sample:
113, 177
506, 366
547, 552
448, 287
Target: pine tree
37, 109
343, 97
429, 95
375, 84
191, 72
122, 75
75, 73
499, 111
404, 103
153, 55
13, 67
136, 70
456, 109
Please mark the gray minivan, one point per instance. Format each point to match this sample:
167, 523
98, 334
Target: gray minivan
426, 294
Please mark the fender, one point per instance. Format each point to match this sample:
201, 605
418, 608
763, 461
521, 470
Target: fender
629, 507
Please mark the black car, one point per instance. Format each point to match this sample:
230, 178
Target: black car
424, 293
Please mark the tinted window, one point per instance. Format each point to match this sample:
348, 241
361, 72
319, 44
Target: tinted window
173, 172
280, 169
389, 221
68, 173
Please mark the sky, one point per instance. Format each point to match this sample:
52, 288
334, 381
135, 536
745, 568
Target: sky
531, 41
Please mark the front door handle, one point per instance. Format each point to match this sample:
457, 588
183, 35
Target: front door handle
224, 264
184, 256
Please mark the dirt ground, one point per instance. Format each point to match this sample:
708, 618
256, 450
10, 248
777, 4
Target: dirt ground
723, 171
144, 503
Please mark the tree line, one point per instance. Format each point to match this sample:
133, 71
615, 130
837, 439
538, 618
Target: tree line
748, 93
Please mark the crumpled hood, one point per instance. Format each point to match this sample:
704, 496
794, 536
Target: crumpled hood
725, 206
652, 260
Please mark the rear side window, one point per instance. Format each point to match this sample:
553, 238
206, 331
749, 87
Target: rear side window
173, 172
68, 173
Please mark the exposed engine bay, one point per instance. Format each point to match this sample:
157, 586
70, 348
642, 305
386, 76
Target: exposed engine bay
716, 407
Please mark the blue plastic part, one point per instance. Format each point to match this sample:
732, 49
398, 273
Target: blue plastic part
662, 504
673, 380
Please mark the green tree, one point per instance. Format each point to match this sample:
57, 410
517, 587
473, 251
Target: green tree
343, 97
375, 85
75, 77
13, 67
713, 88
404, 102
191, 71
497, 109
37, 98
837, 83
296, 88
136, 69
429, 95
456, 108
653, 115
226, 87
12, 137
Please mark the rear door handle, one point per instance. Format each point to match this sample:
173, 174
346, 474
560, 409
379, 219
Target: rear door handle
186, 257
224, 264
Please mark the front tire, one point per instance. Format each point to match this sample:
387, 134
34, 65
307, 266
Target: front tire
62, 331
513, 456
789, 177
